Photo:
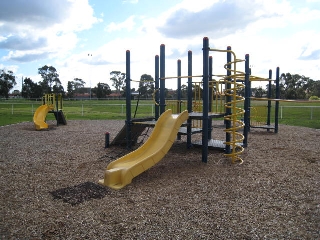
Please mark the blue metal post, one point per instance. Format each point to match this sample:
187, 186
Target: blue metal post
276, 120
228, 102
249, 106
205, 99
156, 76
179, 91
189, 145
246, 102
210, 97
128, 100
269, 101
162, 80
179, 85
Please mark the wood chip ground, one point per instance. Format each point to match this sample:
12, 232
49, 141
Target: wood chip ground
49, 187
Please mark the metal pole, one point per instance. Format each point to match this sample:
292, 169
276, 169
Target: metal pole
189, 145
246, 101
210, 88
156, 113
210, 84
57, 108
228, 103
128, 100
269, 101
162, 81
276, 120
205, 99
179, 86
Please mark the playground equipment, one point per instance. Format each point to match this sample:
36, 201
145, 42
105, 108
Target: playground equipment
260, 116
199, 108
120, 172
217, 99
51, 103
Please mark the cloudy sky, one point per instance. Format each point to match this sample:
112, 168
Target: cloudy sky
88, 39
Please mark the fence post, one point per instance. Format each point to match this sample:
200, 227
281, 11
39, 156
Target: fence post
281, 112
82, 110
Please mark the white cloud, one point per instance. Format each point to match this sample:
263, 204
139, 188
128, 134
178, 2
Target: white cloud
274, 33
36, 26
128, 25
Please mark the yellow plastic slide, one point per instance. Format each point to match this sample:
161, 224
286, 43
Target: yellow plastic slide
39, 117
120, 172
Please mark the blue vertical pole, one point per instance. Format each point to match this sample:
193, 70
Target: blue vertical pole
250, 94
179, 90
162, 80
189, 145
128, 100
246, 101
269, 101
205, 99
276, 120
156, 76
210, 97
179, 85
228, 102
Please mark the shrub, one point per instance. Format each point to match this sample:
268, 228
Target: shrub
314, 98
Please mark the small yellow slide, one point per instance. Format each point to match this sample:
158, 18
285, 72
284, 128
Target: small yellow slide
120, 172
39, 117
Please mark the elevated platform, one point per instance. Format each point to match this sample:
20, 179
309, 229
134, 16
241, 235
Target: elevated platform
264, 126
199, 115
213, 144
184, 130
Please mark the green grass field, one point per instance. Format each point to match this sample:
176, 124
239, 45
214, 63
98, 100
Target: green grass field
18, 110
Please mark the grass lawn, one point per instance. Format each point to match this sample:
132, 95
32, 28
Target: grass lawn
18, 110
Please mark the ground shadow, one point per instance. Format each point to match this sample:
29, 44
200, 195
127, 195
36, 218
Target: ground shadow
80, 193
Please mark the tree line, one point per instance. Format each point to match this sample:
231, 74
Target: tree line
51, 83
292, 86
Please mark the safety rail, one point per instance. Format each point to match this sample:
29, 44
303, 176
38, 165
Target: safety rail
217, 95
54, 101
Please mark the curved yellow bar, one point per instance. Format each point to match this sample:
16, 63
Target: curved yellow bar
120, 172
39, 117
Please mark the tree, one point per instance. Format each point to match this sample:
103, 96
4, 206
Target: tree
102, 90
7, 82
31, 89
184, 91
315, 89
294, 86
50, 77
146, 85
118, 79
74, 86
259, 92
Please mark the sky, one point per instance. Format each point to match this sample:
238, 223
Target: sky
88, 39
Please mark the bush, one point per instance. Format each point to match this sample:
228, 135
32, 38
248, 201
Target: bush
314, 98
